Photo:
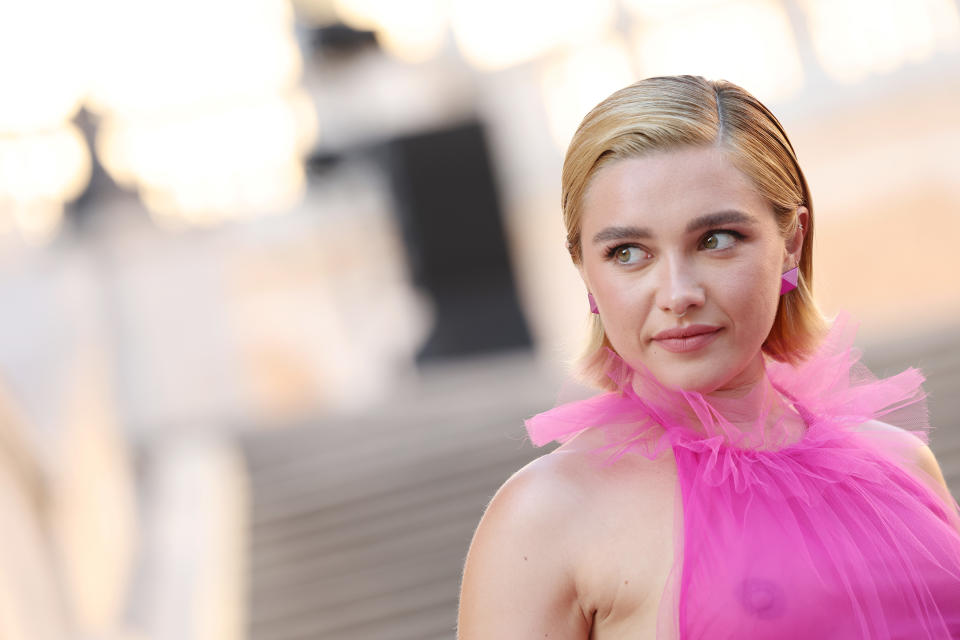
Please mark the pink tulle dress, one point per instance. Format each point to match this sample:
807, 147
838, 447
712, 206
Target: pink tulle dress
828, 530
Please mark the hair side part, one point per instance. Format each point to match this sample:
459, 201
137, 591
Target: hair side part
665, 113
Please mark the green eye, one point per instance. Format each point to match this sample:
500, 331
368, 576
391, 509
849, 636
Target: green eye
627, 255
720, 239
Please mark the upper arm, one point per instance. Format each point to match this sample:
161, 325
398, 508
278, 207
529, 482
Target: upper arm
518, 580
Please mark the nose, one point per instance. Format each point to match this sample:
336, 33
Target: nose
678, 287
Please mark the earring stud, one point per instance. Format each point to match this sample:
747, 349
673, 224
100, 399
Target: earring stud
788, 281
593, 304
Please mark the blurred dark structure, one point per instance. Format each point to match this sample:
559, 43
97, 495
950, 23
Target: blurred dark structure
451, 220
338, 41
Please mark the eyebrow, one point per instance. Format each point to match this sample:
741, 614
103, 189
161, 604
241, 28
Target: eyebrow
710, 220
720, 218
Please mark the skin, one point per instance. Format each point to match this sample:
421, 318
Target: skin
645, 268
568, 551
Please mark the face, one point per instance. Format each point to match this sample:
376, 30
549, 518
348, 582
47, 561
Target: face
681, 241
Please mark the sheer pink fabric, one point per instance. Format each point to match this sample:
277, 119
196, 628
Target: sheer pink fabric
812, 521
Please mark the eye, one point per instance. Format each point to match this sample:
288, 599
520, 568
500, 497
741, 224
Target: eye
627, 254
719, 240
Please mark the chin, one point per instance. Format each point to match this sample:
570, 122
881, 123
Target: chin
702, 377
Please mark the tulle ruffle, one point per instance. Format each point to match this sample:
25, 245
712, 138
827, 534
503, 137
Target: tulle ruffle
829, 530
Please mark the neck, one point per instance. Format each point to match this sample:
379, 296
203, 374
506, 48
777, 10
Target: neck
747, 396
752, 404
748, 409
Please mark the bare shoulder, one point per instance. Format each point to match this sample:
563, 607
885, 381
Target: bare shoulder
519, 577
531, 560
541, 506
921, 457
572, 482
549, 491
893, 433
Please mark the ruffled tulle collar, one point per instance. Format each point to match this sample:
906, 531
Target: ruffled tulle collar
828, 393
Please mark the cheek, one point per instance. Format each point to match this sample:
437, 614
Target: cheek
625, 301
625, 305
750, 293
747, 281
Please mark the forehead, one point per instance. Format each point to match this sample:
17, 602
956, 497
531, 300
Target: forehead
669, 188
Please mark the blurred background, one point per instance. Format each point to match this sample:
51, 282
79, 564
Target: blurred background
282, 278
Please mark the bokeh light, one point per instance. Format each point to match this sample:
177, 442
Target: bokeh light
197, 107
205, 133
497, 34
42, 79
748, 42
209, 166
39, 171
857, 38
580, 78
412, 31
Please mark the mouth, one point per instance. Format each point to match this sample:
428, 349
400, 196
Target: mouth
685, 339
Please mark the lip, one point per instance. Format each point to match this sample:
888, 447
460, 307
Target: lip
684, 339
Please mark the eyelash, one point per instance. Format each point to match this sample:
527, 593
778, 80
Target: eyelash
735, 234
611, 251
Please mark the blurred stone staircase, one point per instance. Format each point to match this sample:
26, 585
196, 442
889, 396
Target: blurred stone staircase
937, 355
360, 526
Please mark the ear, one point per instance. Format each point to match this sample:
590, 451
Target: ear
794, 242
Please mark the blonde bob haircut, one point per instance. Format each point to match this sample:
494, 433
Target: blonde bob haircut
665, 113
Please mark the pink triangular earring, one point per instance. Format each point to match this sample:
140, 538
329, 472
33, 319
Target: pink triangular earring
788, 281
593, 303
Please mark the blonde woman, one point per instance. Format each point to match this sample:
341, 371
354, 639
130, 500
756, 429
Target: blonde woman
741, 475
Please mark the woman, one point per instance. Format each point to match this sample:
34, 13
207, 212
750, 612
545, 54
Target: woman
742, 477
